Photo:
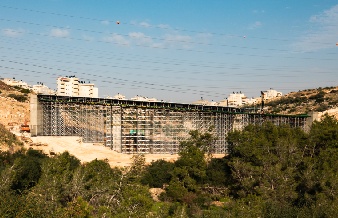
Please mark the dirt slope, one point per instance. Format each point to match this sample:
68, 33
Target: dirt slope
12, 112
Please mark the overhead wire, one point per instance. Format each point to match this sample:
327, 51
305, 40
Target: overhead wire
165, 63
148, 26
185, 49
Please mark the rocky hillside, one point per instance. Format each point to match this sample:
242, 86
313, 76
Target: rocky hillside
8, 141
305, 101
14, 105
14, 111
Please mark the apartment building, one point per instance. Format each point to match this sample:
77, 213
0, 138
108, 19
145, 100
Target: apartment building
237, 100
270, 94
71, 86
88, 90
68, 86
13, 82
42, 89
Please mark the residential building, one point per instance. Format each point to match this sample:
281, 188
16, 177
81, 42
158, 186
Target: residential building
13, 82
88, 90
119, 96
68, 86
71, 86
270, 94
201, 102
42, 89
236, 99
141, 98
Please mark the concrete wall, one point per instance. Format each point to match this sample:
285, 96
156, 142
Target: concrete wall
35, 116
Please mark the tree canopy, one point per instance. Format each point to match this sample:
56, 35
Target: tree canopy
270, 171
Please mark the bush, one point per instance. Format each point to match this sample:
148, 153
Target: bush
20, 98
322, 107
157, 174
319, 98
22, 90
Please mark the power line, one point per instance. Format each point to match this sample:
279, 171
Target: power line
148, 26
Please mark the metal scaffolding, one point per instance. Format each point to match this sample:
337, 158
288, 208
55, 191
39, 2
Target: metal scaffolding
145, 127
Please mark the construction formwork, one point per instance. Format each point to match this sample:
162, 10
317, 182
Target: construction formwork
148, 130
66, 119
144, 127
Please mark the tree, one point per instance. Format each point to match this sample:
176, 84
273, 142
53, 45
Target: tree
54, 189
324, 133
218, 172
264, 161
189, 173
157, 173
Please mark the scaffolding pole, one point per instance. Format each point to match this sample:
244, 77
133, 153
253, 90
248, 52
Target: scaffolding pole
143, 127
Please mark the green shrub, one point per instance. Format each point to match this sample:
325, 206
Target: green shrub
20, 98
22, 90
322, 107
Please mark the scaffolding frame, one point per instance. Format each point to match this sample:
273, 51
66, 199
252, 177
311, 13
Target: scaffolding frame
146, 127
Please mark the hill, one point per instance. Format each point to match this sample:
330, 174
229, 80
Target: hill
14, 105
305, 101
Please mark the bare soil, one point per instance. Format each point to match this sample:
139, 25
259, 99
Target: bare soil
87, 152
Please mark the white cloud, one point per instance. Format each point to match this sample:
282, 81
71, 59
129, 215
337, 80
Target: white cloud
87, 38
60, 33
255, 25
157, 45
105, 22
175, 40
323, 34
13, 32
140, 38
204, 37
145, 24
163, 26
117, 39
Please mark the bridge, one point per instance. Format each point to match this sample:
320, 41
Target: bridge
141, 127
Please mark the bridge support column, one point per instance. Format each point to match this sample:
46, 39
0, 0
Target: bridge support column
36, 114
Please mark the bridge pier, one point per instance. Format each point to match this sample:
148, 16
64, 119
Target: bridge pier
36, 124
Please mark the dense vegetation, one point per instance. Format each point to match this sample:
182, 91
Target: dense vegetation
271, 171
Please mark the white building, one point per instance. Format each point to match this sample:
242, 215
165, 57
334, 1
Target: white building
237, 100
270, 94
141, 98
205, 102
71, 86
201, 102
13, 82
250, 101
42, 89
119, 96
68, 86
88, 90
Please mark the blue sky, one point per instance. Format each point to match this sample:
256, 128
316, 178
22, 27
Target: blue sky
178, 50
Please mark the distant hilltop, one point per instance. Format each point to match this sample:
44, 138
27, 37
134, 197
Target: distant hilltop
322, 100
